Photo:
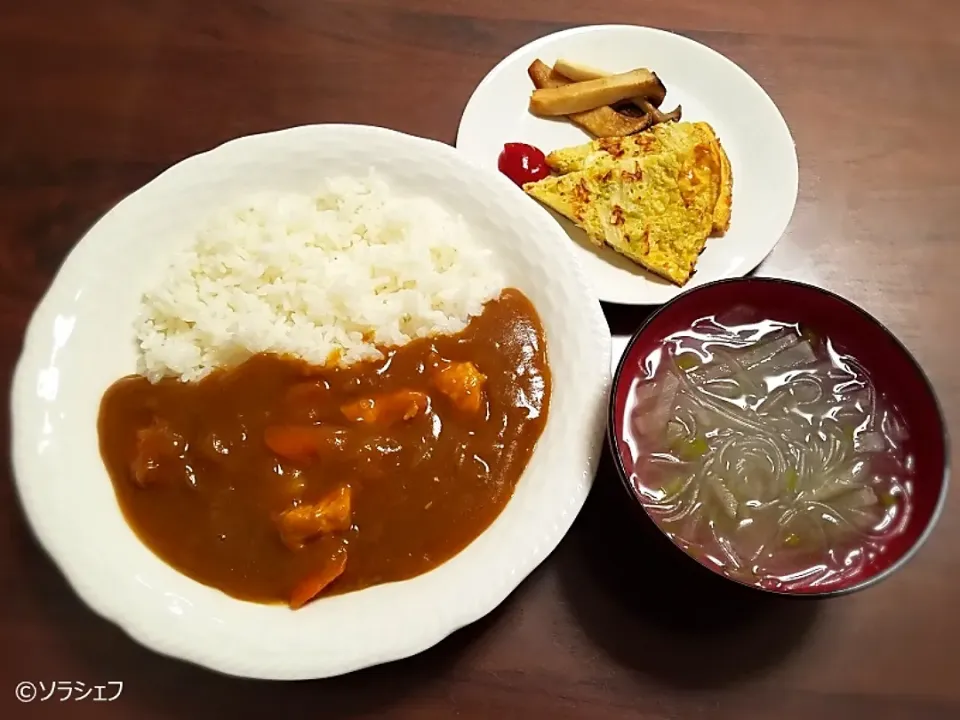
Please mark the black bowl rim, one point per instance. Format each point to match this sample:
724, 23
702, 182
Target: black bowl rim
614, 445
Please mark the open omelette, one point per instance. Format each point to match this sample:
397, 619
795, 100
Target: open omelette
655, 197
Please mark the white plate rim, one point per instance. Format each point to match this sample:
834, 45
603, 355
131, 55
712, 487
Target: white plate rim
165, 640
777, 229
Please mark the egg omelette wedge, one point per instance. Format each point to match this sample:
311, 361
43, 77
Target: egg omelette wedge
641, 207
673, 137
654, 197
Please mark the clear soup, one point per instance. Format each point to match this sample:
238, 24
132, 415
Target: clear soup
763, 451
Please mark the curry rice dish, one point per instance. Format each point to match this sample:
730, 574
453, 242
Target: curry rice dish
275, 479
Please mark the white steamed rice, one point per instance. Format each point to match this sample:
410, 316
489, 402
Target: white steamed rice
324, 277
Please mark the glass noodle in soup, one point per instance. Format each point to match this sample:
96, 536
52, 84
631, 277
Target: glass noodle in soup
764, 451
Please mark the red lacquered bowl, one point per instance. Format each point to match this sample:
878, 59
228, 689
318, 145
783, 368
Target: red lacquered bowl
893, 369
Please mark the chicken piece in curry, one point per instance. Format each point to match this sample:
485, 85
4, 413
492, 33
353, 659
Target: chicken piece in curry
277, 481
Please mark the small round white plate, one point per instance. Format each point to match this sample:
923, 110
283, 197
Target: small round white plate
710, 88
81, 339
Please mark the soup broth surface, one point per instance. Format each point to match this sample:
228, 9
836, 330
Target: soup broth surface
765, 451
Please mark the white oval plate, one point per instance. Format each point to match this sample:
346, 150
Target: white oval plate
81, 339
709, 87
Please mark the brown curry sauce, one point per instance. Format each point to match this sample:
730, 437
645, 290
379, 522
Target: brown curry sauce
275, 481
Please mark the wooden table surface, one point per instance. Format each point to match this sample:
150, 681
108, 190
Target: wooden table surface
100, 96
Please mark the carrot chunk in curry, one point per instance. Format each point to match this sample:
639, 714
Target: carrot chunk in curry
299, 524
303, 442
462, 383
276, 481
312, 585
388, 408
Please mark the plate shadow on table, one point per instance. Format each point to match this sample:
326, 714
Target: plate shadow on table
627, 319
169, 687
653, 610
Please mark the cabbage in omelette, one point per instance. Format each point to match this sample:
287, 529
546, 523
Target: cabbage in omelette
655, 197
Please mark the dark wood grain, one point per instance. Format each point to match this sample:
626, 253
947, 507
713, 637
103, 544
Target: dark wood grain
97, 97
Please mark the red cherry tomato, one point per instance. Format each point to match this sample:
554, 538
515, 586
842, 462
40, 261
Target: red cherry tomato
523, 163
